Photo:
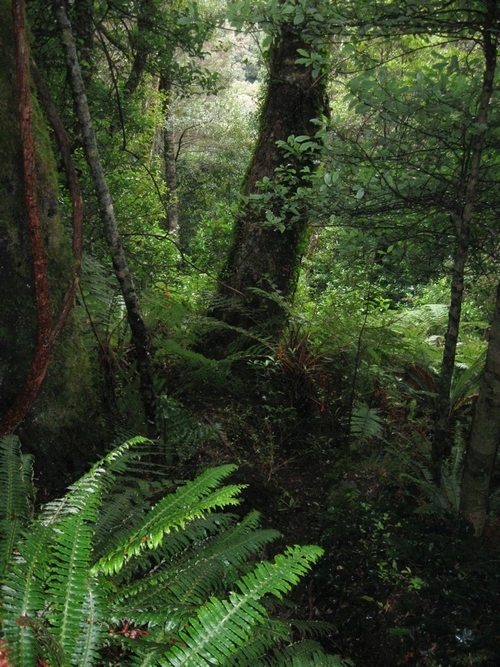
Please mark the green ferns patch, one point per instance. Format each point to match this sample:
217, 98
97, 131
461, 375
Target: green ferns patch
133, 567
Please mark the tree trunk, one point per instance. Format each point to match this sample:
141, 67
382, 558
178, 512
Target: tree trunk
463, 220
264, 258
169, 160
141, 50
84, 33
61, 426
485, 436
107, 212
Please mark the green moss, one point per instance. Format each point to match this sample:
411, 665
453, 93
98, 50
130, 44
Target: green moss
64, 418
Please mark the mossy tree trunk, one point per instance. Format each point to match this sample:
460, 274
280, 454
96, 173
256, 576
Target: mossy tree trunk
56, 428
269, 231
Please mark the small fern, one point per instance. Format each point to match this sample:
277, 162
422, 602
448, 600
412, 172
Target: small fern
366, 424
166, 584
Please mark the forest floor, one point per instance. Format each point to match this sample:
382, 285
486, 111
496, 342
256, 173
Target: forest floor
402, 581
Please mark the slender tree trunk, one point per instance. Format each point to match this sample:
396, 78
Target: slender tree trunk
84, 33
145, 19
463, 220
264, 258
169, 160
107, 212
485, 436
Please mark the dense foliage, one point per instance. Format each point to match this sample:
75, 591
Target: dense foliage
319, 305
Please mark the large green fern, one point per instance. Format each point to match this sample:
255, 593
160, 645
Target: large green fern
165, 582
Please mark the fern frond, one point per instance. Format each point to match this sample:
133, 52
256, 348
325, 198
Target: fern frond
468, 380
221, 626
193, 577
260, 644
92, 628
15, 480
319, 659
15, 496
24, 595
366, 423
67, 581
47, 645
172, 512
313, 628
305, 653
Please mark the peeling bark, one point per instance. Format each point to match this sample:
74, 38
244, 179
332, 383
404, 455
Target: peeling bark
107, 213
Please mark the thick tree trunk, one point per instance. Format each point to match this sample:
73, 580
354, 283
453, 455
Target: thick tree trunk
485, 436
463, 221
61, 426
264, 258
107, 212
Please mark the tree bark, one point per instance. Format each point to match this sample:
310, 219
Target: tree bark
107, 213
139, 46
264, 258
47, 334
169, 160
62, 426
40, 363
485, 436
463, 221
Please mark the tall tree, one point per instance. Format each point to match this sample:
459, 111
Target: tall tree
135, 319
462, 218
46, 403
272, 222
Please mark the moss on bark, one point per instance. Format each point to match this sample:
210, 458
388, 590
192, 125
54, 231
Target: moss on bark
59, 428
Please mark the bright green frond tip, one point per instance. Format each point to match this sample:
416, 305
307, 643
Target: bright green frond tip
171, 585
